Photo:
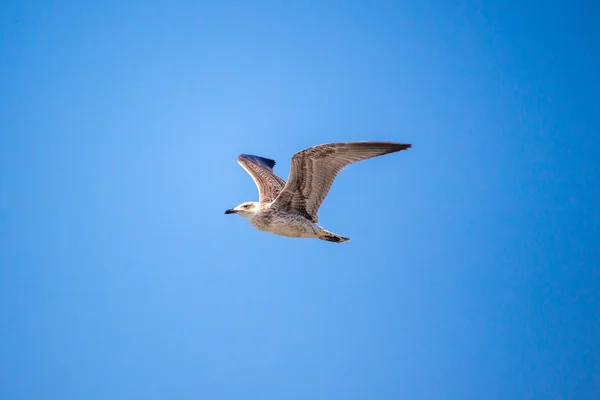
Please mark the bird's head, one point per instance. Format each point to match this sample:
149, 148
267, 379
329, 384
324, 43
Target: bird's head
247, 210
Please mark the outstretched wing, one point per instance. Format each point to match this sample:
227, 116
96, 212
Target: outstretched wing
261, 170
313, 171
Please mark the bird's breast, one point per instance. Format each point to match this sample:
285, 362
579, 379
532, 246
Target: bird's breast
285, 224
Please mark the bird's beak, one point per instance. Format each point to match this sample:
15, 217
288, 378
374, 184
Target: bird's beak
230, 211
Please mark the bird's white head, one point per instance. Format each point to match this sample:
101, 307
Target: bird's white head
247, 210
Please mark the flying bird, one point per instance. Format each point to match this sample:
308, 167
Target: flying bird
291, 209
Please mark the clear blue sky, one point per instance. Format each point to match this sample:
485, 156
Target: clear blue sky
473, 270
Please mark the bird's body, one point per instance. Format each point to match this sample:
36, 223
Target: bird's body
270, 219
290, 209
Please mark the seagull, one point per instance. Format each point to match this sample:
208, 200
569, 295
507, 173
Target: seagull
291, 209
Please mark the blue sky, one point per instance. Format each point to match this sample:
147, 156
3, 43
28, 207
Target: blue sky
473, 269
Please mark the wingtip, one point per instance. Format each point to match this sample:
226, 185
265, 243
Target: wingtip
395, 146
263, 160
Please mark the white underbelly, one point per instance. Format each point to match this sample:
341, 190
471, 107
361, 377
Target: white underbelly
293, 232
306, 229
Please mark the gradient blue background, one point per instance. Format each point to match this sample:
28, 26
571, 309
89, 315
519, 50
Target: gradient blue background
473, 270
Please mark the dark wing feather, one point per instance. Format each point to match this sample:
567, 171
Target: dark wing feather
261, 170
314, 170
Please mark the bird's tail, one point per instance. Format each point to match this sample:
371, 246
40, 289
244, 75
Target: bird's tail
332, 237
